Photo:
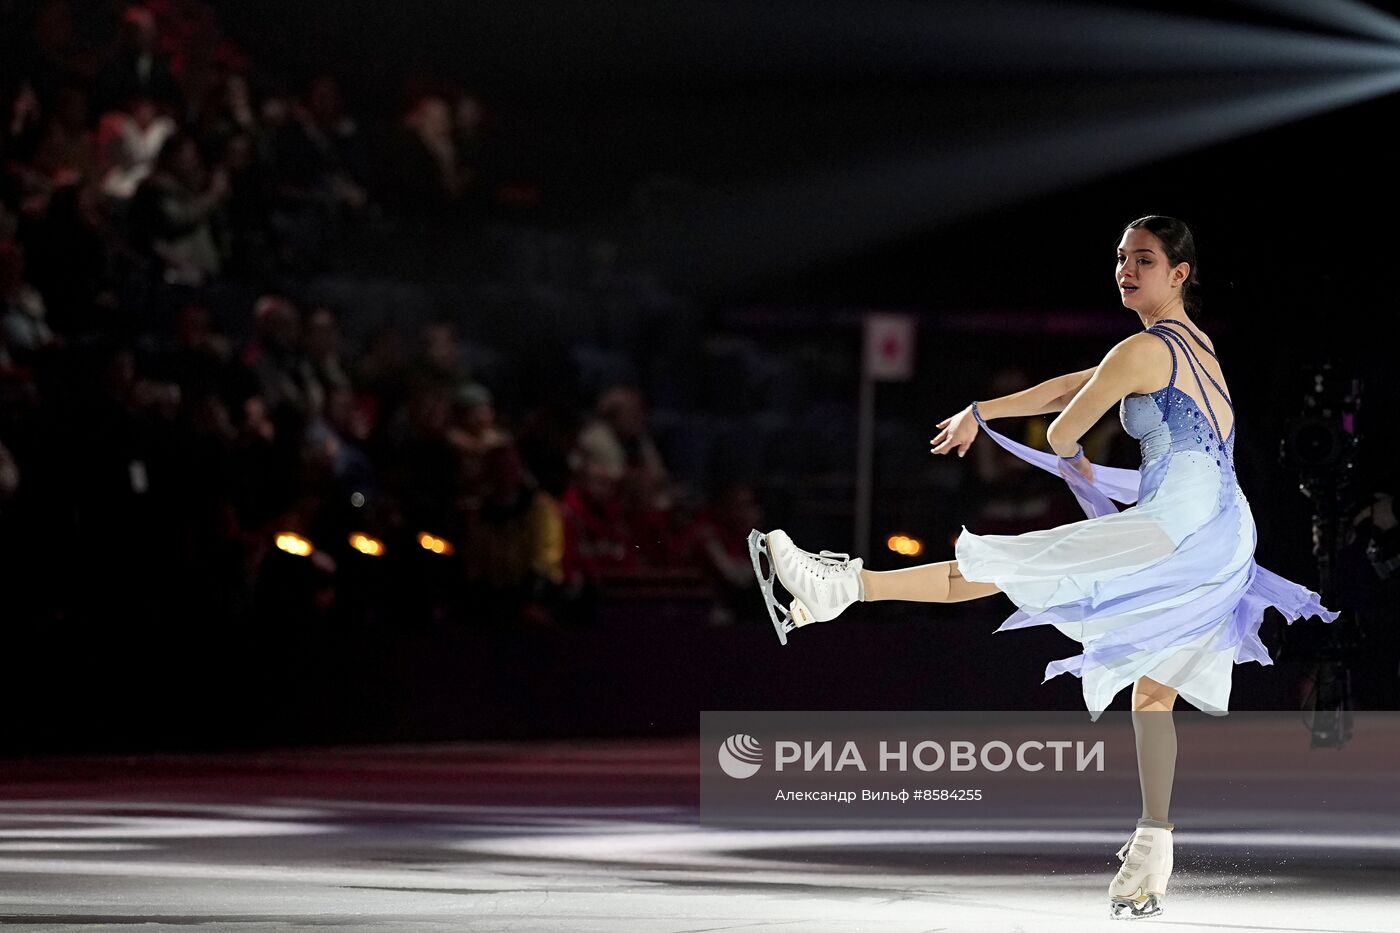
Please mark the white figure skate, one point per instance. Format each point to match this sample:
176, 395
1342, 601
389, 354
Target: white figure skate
1141, 884
822, 585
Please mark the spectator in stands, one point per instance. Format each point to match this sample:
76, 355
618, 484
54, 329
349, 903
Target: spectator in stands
381, 373
261, 469
229, 130
318, 155
63, 151
129, 140
68, 258
321, 343
348, 418
512, 546
117, 436
473, 431
22, 313
336, 439
199, 358
161, 425
52, 60
716, 542
597, 538
138, 66
283, 379
421, 466
252, 243
175, 214
618, 436
313, 154
442, 357
226, 111
425, 176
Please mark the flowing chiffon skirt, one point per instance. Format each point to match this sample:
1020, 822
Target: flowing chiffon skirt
1167, 588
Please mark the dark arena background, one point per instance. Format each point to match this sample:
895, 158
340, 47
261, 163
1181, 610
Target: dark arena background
387, 392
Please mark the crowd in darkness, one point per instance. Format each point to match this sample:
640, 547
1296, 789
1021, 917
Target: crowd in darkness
171, 402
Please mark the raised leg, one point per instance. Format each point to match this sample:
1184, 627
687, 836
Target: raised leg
823, 584
938, 582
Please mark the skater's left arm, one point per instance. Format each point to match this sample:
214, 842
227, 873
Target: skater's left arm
1121, 373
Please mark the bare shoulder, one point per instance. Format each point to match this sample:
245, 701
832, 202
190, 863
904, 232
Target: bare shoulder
1141, 362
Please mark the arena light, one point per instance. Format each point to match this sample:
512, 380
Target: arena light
435, 544
294, 544
903, 544
367, 544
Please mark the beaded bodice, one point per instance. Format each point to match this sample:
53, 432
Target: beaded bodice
1169, 419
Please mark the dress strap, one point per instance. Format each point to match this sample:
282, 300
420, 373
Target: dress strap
1172, 381
1219, 388
1168, 342
1191, 361
1194, 335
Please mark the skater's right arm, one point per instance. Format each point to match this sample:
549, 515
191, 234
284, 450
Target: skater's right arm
1073, 381
1052, 395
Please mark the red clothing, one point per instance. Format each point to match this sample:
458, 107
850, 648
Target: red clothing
596, 537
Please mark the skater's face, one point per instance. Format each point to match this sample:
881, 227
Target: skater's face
1146, 280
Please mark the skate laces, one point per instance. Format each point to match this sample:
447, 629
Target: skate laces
1134, 857
824, 561
1123, 852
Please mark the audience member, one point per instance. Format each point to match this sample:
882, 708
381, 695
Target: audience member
512, 543
175, 214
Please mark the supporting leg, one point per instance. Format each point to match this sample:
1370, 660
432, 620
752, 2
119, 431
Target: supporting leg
1155, 731
938, 582
1141, 883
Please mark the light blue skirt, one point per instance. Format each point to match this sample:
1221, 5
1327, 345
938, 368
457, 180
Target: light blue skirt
1167, 588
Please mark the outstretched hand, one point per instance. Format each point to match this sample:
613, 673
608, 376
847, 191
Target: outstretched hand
957, 434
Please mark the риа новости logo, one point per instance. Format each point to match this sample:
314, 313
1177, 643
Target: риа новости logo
740, 756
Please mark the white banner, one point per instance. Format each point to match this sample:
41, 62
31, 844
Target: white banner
889, 347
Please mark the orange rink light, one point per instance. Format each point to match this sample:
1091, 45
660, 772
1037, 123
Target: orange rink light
366, 544
435, 544
293, 543
903, 544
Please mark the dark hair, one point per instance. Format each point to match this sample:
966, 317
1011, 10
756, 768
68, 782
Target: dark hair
1180, 246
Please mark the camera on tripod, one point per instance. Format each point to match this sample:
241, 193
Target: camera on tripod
1322, 445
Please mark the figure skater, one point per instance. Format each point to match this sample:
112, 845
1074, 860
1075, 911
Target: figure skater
1164, 595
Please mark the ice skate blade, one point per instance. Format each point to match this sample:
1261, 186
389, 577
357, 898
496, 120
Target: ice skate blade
758, 545
1122, 908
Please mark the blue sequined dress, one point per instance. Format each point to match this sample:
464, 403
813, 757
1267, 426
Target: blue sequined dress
1166, 588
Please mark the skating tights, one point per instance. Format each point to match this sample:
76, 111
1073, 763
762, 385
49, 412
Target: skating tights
1156, 754
938, 582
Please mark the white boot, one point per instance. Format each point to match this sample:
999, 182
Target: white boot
822, 585
1141, 884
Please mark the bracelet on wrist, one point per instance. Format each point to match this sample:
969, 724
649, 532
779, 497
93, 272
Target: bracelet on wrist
1076, 456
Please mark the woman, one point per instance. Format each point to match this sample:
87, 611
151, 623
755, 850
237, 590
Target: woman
1164, 595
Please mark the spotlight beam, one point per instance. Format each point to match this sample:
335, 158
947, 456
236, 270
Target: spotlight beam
782, 228
718, 42
1342, 15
